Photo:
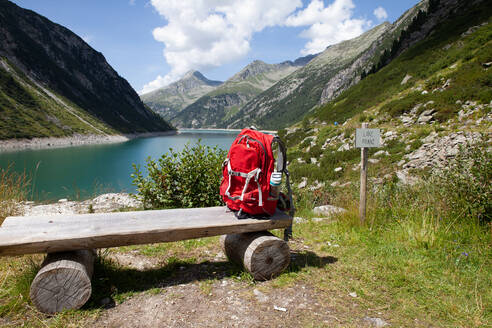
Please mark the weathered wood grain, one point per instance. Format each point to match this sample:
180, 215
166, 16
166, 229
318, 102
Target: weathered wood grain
47, 234
64, 281
261, 253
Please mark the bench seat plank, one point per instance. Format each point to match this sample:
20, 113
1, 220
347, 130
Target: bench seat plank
46, 234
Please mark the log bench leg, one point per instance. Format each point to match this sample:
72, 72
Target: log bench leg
261, 253
63, 282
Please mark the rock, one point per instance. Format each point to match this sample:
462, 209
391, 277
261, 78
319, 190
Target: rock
303, 183
406, 120
278, 308
317, 185
334, 183
262, 298
300, 160
344, 147
63, 200
298, 219
405, 178
314, 160
376, 322
345, 184
353, 294
406, 79
400, 163
328, 210
446, 84
430, 137
373, 160
338, 169
381, 152
425, 92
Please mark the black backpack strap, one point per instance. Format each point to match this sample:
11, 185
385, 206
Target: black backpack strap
282, 167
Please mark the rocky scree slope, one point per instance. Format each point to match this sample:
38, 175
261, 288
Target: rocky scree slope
168, 101
429, 102
214, 108
336, 69
45, 64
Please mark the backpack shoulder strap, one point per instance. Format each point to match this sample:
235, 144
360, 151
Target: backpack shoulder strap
282, 167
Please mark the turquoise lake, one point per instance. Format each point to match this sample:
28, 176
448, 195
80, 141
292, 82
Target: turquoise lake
82, 172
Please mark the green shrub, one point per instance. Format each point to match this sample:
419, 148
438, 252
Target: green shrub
466, 184
189, 178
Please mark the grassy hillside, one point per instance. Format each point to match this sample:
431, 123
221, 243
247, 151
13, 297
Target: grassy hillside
63, 64
444, 72
28, 110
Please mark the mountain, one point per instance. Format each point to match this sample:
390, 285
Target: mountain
170, 100
212, 109
429, 101
52, 83
334, 70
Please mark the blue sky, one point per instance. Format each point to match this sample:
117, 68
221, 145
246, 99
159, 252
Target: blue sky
153, 42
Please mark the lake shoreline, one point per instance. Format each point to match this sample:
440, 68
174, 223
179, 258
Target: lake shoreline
12, 145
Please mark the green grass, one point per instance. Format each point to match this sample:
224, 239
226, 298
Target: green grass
428, 61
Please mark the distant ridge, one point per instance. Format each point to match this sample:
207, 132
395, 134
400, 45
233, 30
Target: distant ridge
168, 101
214, 108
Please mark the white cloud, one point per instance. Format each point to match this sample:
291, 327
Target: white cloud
327, 25
208, 33
380, 13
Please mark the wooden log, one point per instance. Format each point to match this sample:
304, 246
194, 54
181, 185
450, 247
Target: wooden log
261, 253
64, 281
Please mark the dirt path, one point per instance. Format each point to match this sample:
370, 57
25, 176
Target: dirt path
211, 293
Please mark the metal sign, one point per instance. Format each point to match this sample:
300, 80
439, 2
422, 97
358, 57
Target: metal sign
366, 138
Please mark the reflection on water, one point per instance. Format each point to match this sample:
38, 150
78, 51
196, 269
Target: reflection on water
85, 171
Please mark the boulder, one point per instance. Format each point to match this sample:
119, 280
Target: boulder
328, 210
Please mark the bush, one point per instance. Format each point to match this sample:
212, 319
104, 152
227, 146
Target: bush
466, 184
189, 178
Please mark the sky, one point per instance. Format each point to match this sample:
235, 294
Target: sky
152, 43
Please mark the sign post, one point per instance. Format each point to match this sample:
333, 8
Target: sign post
365, 138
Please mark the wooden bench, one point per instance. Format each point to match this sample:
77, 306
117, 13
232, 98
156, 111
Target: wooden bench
64, 280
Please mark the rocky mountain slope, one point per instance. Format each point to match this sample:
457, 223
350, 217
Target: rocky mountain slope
52, 83
332, 72
429, 102
170, 100
214, 108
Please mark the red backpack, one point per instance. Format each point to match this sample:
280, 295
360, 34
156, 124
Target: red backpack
245, 185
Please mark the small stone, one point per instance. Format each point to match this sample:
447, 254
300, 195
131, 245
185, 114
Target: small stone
334, 183
314, 160
303, 183
63, 200
338, 169
328, 210
344, 147
353, 294
262, 298
298, 219
278, 308
376, 322
381, 152
405, 79
373, 160
425, 92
